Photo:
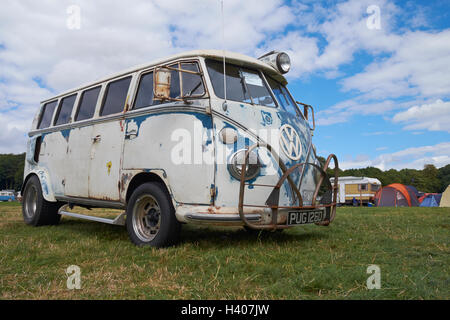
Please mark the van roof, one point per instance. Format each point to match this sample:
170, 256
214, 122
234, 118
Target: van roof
232, 57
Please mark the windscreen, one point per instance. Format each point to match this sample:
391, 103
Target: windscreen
243, 84
283, 97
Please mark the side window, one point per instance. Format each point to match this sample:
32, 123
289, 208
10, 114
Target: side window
236, 89
144, 97
243, 84
192, 83
88, 102
116, 95
175, 91
65, 110
362, 187
47, 114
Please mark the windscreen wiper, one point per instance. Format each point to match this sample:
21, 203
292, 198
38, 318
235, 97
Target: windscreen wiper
245, 87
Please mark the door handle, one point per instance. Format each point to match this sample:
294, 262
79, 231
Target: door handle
97, 138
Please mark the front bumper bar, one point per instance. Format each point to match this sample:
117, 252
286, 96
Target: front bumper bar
272, 201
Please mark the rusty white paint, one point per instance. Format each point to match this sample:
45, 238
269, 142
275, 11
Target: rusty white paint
99, 160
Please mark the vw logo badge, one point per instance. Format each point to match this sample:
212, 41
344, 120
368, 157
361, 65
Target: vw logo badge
290, 142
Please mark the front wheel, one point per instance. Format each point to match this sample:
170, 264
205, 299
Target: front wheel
35, 209
151, 217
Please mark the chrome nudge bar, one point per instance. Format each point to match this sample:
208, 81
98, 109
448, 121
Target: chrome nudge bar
272, 201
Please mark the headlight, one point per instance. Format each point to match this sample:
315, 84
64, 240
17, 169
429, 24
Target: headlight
278, 60
283, 62
237, 160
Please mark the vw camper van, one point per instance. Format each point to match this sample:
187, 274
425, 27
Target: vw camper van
203, 137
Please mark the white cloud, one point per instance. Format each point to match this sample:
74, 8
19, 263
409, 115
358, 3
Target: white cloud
419, 65
36, 44
414, 158
433, 117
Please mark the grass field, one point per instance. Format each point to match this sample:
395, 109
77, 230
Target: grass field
410, 245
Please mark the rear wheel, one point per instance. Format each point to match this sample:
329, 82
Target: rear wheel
151, 217
36, 210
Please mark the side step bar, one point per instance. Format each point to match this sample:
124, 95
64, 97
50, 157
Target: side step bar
118, 221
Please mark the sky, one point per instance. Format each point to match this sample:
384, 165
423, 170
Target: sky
377, 72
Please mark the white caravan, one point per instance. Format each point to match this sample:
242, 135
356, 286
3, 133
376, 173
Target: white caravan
359, 189
179, 141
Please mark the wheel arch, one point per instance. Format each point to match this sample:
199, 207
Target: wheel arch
144, 177
44, 179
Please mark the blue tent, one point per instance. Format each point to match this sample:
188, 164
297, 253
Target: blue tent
430, 201
414, 189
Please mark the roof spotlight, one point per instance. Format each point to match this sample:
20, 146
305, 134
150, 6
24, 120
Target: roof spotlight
278, 60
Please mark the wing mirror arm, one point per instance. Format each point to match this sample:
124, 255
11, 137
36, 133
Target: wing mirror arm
305, 113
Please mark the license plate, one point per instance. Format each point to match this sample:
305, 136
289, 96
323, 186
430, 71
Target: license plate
305, 217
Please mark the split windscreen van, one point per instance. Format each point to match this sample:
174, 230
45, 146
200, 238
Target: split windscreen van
209, 137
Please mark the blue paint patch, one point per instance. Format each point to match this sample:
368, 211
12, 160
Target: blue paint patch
266, 118
66, 133
204, 118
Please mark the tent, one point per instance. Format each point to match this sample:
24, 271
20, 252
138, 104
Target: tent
431, 200
445, 200
396, 195
436, 196
414, 189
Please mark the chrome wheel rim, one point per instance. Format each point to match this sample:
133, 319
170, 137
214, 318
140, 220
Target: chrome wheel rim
31, 201
146, 218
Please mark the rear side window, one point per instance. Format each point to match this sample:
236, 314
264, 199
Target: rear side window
116, 95
65, 110
47, 114
88, 102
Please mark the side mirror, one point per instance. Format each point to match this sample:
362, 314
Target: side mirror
305, 114
161, 84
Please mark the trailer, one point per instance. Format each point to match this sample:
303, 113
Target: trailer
359, 190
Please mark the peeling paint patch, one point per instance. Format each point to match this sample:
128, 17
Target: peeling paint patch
66, 133
266, 118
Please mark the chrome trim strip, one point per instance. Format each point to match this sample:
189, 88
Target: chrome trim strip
222, 217
118, 221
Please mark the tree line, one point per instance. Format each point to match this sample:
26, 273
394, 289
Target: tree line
429, 179
11, 171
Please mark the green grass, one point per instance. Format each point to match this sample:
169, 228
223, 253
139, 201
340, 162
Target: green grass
410, 245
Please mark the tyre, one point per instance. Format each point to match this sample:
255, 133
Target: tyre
151, 217
36, 210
